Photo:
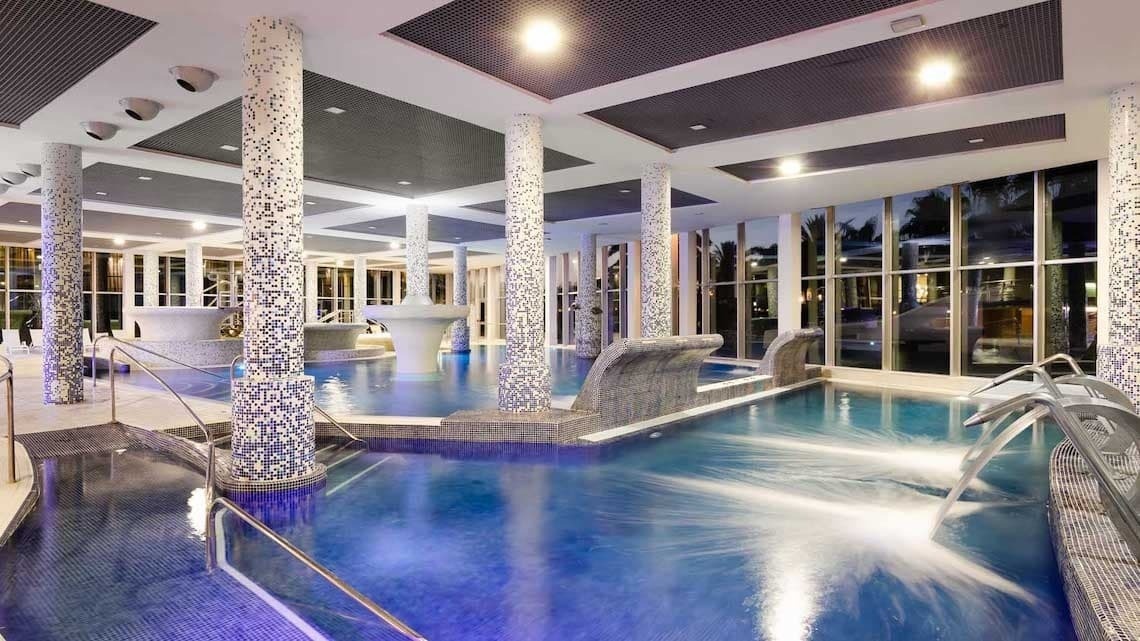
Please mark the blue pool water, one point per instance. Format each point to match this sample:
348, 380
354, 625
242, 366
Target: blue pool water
798, 518
465, 381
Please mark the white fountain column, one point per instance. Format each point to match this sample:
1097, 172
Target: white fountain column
61, 216
273, 435
359, 287
312, 313
524, 379
588, 326
416, 237
1118, 354
460, 331
150, 279
656, 266
194, 294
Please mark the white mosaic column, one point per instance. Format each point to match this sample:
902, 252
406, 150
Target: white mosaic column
460, 331
150, 279
273, 437
588, 325
359, 287
61, 216
524, 379
194, 294
1118, 357
656, 269
416, 255
312, 312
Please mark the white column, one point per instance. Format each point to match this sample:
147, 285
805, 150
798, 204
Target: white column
494, 277
194, 295
687, 286
273, 434
788, 269
397, 294
61, 216
588, 329
460, 330
150, 279
552, 300
417, 255
633, 290
359, 287
312, 311
524, 378
1118, 353
656, 270
128, 271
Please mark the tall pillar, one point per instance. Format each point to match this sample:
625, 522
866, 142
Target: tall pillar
397, 294
588, 328
524, 379
312, 308
150, 279
552, 300
194, 295
687, 287
128, 271
1118, 354
460, 330
273, 436
633, 290
416, 235
788, 268
61, 215
656, 270
359, 287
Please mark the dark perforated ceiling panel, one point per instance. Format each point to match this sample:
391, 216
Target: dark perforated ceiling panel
377, 143
1001, 51
441, 229
46, 46
947, 142
598, 200
610, 40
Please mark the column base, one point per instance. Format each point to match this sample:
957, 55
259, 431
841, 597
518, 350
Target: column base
524, 387
63, 392
1120, 365
460, 337
274, 440
587, 349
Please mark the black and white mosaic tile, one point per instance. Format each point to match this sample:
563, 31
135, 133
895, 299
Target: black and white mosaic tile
460, 331
62, 298
588, 321
656, 267
416, 239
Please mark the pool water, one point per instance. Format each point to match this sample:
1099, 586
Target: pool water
465, 381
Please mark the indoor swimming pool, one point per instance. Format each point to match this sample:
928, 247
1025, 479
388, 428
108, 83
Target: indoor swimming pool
465, 381
800, 517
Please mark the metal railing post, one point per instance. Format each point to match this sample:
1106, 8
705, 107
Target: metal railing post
111, 370
11, 422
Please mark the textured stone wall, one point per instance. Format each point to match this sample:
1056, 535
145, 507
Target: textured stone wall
273, 438
524, 379
194, 283
416, 236
588, 325
62, 298
1118, 357
460, 331
150, 279
656, 267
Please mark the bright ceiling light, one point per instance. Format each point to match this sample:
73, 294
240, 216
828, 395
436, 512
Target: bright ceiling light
334, 110
146, 178
936, 73
542, 36
976, 141
791, 167
403, 182
100, 193
228, 147
22, 221
698, 127
310, 202
119, 241
198, 225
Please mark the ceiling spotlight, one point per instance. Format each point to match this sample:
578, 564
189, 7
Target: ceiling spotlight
146, 178
542, 36
22, 221
906, 24
198, 225
372, 226
403, 182
393, 245
975, 141
791, 167
937, 73
13, 177
30, 170
100, 193
228, 147
624, 191
140, 108
99, 130
458, 238
334, 110
118, 240
698, 127
193, 79
310, 202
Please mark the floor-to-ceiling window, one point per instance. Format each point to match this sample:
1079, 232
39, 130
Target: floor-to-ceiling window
1070, 274
760, 286
813, 271
920, 272
722, 244
858, 286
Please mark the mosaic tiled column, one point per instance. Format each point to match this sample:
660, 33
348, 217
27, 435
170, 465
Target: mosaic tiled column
194, 295
359, 287
460, 331
150, 279
656, 269
416, 255
312, 311
588, 325
61, 216
524, 379
273, 435
1118, 358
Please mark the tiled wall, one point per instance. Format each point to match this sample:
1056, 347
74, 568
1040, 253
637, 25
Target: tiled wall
656, 268
416, 229
62, 298
460, 332
588, 325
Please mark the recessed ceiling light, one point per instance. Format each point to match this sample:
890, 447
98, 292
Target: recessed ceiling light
906, 24
228, 147
146, 178
791, 167
542, 36
100, 193
936, 73
394, 245
698, 127
974, 141
458, 238
403, 182
372, 226
198, 225
310, 202
623, 191
119, 241
334, 110
22, 221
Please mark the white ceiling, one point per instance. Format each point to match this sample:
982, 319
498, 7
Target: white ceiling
344, 41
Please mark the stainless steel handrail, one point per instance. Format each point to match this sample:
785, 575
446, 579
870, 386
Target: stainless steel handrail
9, 379
1030, 368
297, 553
94, 353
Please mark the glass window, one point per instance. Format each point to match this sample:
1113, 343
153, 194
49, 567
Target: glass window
25, 266
1070, 213
922, 323
762, 322
722, 317
88, 263
722, 254
24, 307
813, 298
1070, 327
997, 216
859, 237
998, 319
761, 238
859, 325
813, 248
922, 229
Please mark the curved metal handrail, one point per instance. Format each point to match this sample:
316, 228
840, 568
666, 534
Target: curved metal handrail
8, 376
1031, 368
94, 353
